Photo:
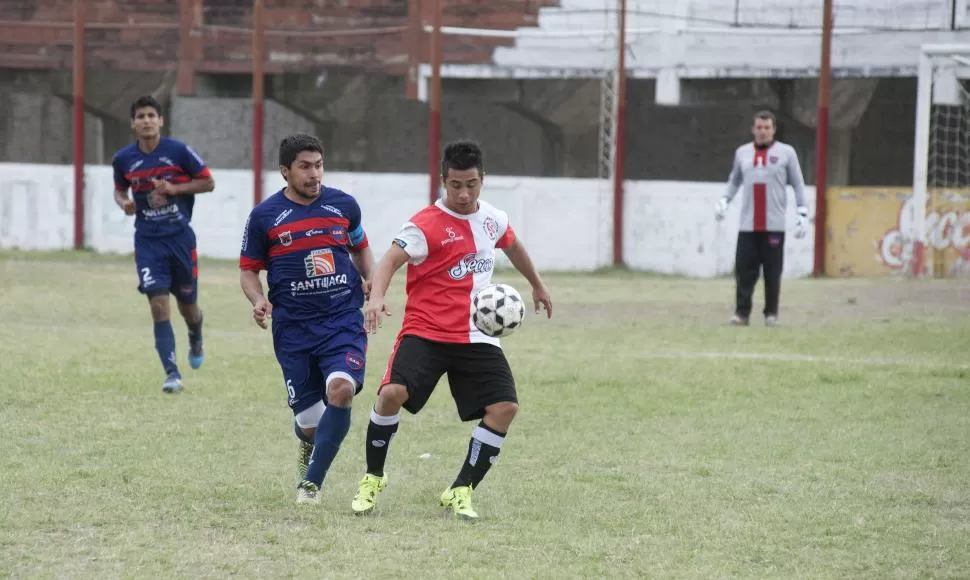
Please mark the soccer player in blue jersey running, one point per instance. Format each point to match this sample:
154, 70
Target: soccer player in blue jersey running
164, 175
309, 239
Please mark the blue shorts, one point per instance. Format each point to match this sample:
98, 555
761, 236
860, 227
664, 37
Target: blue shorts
310, 352
168, 264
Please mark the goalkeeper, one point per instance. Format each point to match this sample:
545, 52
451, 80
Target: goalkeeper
763, 169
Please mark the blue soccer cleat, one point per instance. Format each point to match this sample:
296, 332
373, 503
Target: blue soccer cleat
172, 384
196, 355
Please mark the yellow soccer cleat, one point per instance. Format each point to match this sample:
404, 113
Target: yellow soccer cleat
459, 499
306, 450
366, 499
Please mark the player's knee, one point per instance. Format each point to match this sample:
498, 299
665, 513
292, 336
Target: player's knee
393, 395
340, 392
160, 308
501, 414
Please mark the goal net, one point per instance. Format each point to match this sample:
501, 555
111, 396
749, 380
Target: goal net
937, 216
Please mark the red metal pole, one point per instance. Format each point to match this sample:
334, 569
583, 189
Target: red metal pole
434, 112
78, 73
822, 140
618, 139
259, 55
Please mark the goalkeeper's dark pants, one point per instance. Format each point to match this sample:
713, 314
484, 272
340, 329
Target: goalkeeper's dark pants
758, 251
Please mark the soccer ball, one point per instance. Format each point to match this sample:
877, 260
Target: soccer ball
498, 310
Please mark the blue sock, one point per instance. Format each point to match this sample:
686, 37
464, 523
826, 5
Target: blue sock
331, 431
165, 345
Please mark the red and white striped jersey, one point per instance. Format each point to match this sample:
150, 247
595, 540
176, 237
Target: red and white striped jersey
452, 257
762, 173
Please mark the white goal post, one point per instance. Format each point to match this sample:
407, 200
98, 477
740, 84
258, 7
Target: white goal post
941, 156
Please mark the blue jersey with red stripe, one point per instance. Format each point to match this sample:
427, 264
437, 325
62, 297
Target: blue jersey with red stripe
172, 161
305, 250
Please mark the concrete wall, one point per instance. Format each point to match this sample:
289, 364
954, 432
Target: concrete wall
567, 223
221, 129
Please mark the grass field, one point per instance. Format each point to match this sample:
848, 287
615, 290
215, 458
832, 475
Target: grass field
652, 440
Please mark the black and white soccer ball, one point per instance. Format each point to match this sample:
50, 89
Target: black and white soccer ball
498, 310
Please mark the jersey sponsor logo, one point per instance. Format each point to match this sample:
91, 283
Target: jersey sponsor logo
160, 211
164, 159
245, 237
452, 236
194, 155
332, 209
279, 219
318, 283
471, 264
286, 238
491, 227
136, 165
319, 263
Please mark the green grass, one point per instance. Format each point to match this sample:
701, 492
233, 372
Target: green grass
652, 440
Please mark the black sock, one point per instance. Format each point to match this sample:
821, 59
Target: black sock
483, 450
380, 431
301, 435
195, 331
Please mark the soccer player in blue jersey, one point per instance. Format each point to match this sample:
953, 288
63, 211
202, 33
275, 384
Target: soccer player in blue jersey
164, 175
309, 239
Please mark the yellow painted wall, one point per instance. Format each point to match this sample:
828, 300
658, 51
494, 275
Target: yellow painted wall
864, 225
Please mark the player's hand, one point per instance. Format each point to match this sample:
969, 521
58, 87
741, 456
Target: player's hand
159, 196
372, 314
720, 210
128, 207
801, 221
540, 296
365, 285
262, 311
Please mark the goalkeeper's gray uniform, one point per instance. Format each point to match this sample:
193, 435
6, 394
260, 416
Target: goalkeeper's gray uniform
762, 174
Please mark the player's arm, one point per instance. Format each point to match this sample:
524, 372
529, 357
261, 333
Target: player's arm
519, 256
735, 178
409, 245
122, 185
193, 165
360, 251
252, 259
796, 179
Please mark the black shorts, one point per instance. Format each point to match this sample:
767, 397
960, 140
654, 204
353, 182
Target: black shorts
478, 374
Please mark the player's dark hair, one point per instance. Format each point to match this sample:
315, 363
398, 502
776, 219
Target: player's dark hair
293, 145
146, 101
766, 115
461, 155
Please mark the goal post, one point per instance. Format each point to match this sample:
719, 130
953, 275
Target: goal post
941, 156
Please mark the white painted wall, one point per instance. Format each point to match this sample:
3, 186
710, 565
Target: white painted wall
566, 223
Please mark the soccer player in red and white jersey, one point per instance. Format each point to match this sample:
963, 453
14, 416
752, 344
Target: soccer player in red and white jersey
450, 251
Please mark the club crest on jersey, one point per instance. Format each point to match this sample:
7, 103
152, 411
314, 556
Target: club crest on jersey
338, 234
471, 264
286, 238
773, 159
354, 361
491, 227
319, 263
